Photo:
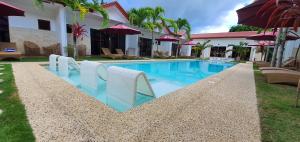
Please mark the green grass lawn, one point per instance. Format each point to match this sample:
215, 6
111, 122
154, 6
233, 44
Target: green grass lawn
280, 120
14, 126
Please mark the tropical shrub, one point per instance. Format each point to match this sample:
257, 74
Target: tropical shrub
241, 50
199, 47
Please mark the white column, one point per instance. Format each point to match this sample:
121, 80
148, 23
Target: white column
230, 52
132, 42
61, 28
189, 50
252, 54
206, 52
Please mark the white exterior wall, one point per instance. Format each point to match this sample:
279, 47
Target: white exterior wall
32, 14
131, 45
25, 28
226, 42
186, 50
291, 48
115, 14
165, 47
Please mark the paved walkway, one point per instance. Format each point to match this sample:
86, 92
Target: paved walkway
219, 108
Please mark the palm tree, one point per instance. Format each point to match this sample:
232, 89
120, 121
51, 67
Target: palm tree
199, 47
240, 49
138, 17
149, 19
154, 22
184, 25
84, 7
174, 27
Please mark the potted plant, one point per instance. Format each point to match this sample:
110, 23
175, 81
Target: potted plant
78, 32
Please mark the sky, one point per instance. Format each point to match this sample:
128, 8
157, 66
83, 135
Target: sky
205, 16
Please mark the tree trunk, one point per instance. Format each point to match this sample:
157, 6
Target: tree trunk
152, 46
177, 48
74, 48
281, 49
297, 99
273, 61
296, 56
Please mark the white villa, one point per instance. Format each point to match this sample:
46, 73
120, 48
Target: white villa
51, 25
221, 42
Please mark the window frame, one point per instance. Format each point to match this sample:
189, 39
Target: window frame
44, 24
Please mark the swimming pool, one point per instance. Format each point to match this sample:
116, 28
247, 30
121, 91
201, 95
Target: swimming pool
164, 77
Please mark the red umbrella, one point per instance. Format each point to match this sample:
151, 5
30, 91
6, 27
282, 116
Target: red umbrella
269, 36
121, 30
9, 10
167, 38
190, 43
249, 15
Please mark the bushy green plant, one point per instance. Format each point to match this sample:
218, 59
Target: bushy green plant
199, 47
241, 50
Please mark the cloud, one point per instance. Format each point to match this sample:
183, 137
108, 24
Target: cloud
226, 22
203, 15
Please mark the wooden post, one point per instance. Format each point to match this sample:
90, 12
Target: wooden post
298, 95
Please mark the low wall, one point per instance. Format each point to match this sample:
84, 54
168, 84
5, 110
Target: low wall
40, 37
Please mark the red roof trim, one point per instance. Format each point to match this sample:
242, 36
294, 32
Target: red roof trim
118, 6
223, 35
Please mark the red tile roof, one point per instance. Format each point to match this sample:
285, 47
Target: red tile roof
118, 6
223, 35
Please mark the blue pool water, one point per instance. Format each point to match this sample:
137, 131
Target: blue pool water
164, 77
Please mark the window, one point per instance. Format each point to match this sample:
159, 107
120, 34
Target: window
69, 28
44, 25
4, 29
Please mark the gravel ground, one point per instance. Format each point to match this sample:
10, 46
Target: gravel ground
220, 108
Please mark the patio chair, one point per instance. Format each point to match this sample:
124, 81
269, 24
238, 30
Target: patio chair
271, 68
31, 49
9, 50
262, 64
120, 52
52, 49
108, 54
282, 76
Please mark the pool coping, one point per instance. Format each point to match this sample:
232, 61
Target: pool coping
99, 122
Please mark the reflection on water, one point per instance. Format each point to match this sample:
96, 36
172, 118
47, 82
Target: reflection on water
164, 77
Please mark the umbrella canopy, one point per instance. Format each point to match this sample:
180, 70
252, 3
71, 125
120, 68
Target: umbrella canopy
249, 15
9, 10
121, 30
190, 43
167, 38
269, 36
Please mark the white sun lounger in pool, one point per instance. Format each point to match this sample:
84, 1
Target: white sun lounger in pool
73, 64
124, 84
89, 72
53, 62
65, 64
